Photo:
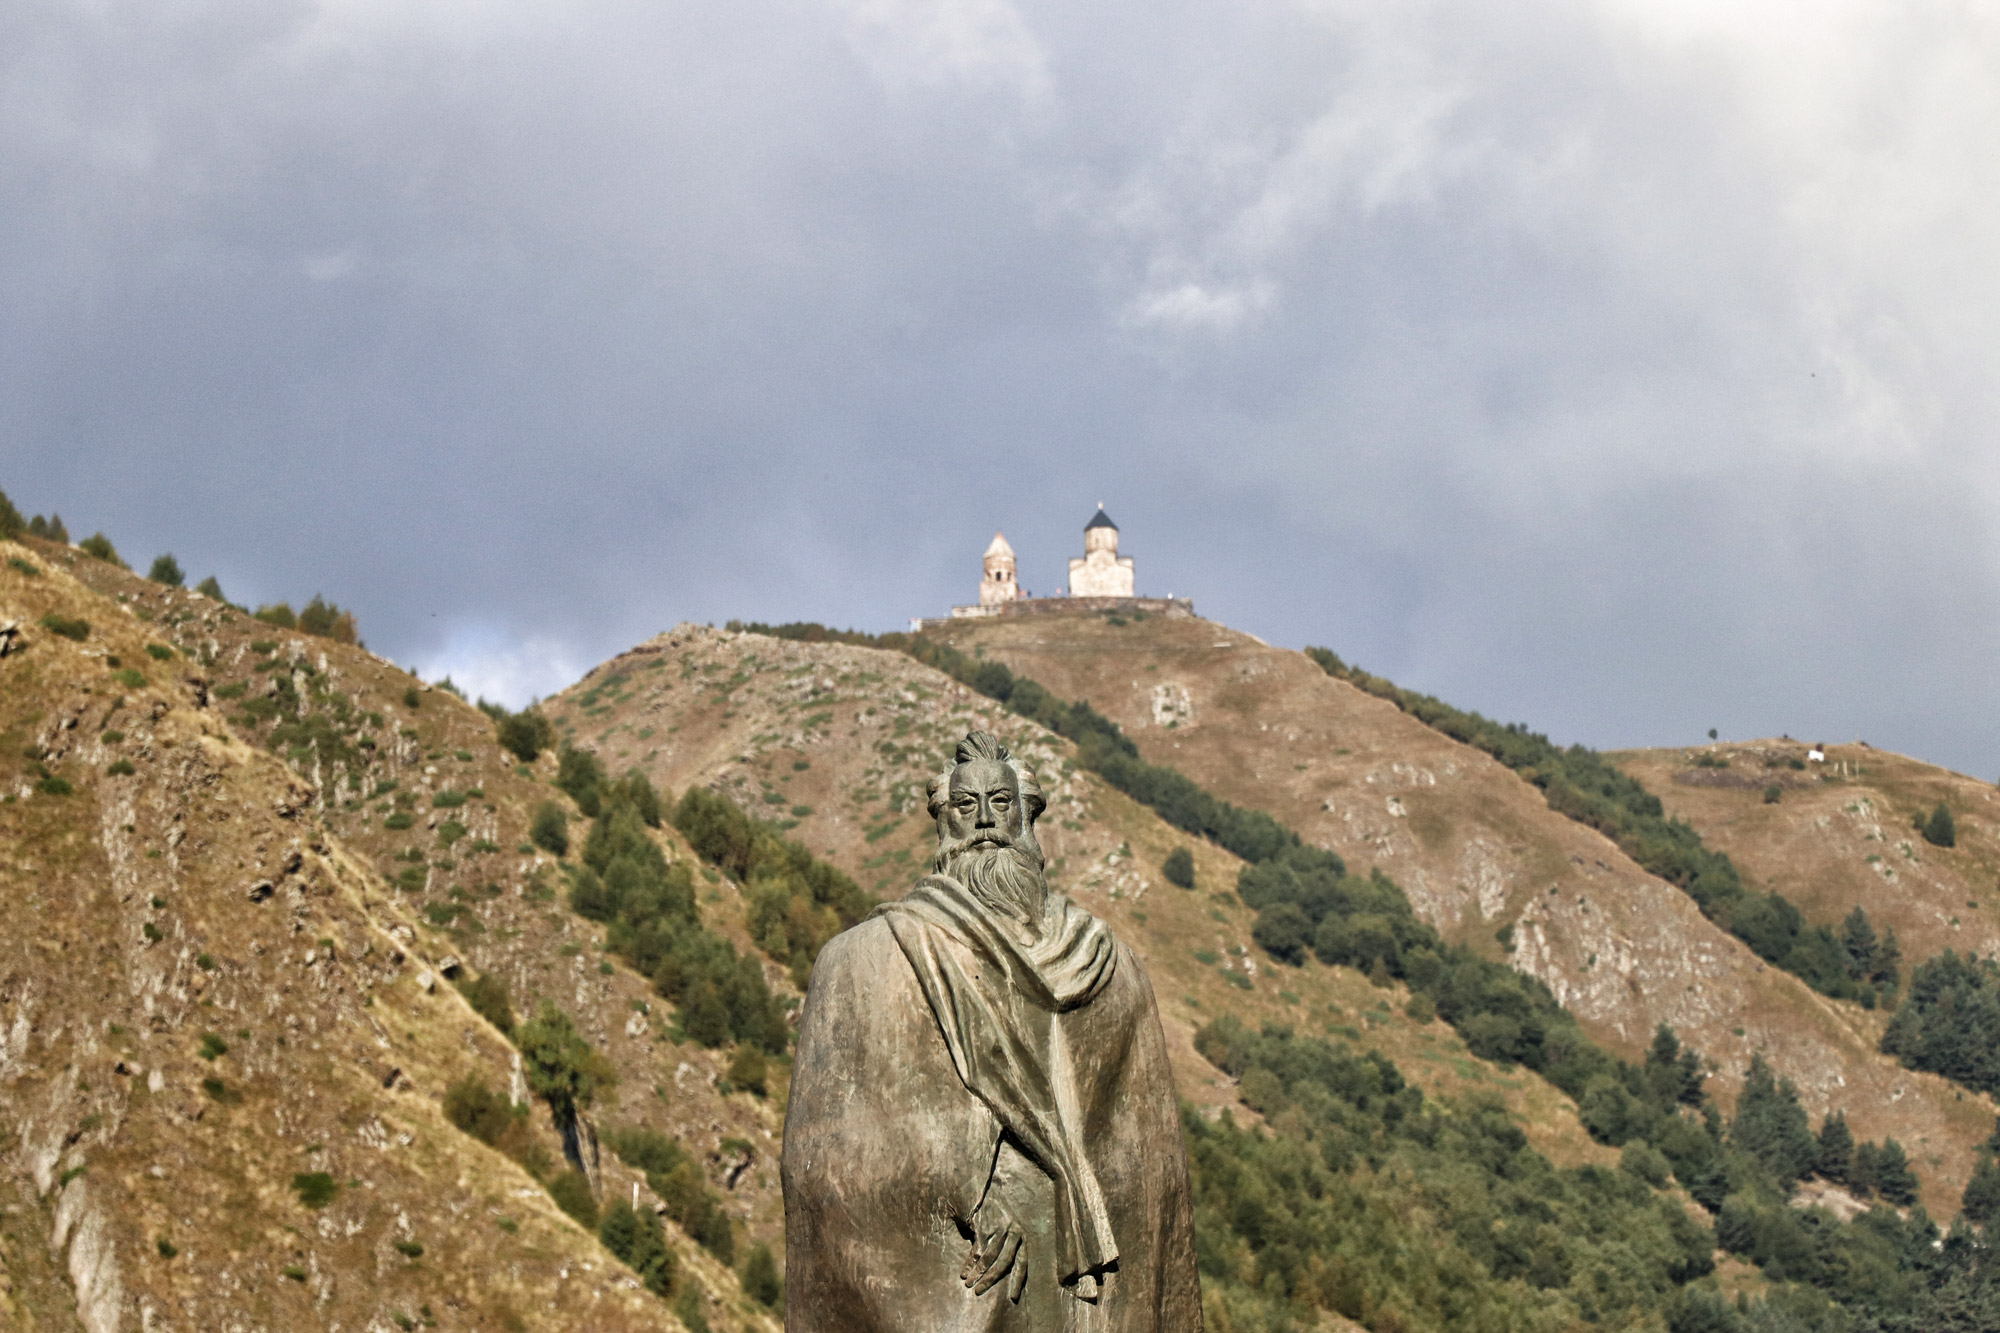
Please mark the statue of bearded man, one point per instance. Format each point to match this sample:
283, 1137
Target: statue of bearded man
982, 1133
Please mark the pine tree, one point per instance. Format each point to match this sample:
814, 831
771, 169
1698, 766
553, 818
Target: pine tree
11, 522
1939, 830
1894, 1180
1857, 937
1888, 959
1836, 1149
1771, 1126
167, 570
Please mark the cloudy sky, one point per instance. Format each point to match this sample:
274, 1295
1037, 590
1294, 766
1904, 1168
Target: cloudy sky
1625, 367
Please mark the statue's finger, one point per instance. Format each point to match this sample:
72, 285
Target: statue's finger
1019, 1282
1010, 1246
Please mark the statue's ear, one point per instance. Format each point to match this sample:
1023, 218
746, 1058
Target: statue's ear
1031, 797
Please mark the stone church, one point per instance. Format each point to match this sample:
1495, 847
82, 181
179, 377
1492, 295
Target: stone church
1099, 580
1102, 572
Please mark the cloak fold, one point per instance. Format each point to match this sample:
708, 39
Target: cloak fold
1018, 1062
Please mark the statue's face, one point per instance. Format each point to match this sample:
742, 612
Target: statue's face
984, 805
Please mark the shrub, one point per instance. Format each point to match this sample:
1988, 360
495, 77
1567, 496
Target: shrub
1940, 830
636, 1237
15, 562
212, 1046
412, 698
316, 1189
211, 589
525, 734
119, 768
677, 1178
1773, 794
399, 819
562, 1067
11, 522
166, 1247
277, 613
66, 626
410, 1249
167, 570
1179, 868
571, 1192
130, 678
487, 994
54, 786
447, 799
98, 547
327, 621
549, 829
159, 652
760, 1277
747, 1069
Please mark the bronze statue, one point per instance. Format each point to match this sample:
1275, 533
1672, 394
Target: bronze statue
982, 1132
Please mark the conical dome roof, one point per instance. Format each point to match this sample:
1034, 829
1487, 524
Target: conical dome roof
1100, 520
999, 546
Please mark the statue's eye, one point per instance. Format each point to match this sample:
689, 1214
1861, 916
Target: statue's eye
1000, 800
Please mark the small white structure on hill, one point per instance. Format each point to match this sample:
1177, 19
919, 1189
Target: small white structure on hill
1102, 572
998, 583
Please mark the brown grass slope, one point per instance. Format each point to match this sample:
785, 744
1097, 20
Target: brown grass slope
481, 904
124, 1136
842, 740
1480, 853
1841, 835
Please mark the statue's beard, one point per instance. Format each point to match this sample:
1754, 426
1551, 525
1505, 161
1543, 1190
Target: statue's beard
1007, 877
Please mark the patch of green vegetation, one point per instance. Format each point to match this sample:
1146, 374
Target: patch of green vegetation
67, 627
676, 1177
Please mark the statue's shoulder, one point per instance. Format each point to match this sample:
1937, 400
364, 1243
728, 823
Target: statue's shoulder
861, 948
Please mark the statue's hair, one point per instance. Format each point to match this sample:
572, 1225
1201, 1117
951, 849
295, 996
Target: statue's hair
985, 745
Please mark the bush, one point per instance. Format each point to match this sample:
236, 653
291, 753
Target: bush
66, 626
747, 1070
525, 734
11, 522
327, 621
487, 994
159, 652
1773, 794
98, 547
211, 589
562, 1068
549, 830
399, 819
677, 1178
277, 613
316, 1189
636, 1237
167, 570
760, 1277
571, 1192
1940, 830
1179, 868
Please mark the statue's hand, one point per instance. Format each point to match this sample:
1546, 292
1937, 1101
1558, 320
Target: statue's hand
996, 1253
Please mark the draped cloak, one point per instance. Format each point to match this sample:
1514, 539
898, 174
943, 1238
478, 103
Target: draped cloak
949, 1057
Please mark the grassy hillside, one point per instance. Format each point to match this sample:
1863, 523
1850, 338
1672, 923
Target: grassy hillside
407, 791
1486, 861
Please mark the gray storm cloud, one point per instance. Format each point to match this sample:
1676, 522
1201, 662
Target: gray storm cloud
1621, 368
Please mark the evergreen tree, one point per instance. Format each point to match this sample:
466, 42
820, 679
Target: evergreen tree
1771, 1126
49, 529
1982, 1194
98, 547
167, 570
1894, 1180
1179, 868
1861, 1175
1888, 959
1836, 1149
1939, 830
11, 522
1857, 937
211, 589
